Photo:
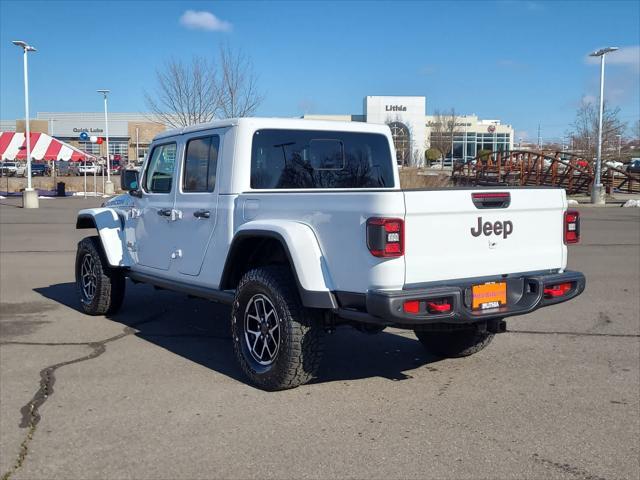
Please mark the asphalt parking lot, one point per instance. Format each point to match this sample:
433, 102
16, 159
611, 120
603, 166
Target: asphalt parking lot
154, 391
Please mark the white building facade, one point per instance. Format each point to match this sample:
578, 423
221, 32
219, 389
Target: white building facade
414, 131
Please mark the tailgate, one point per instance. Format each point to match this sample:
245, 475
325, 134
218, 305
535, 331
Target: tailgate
448, 236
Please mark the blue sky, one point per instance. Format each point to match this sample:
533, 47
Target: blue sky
522, 62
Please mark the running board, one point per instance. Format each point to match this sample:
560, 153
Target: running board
221, 296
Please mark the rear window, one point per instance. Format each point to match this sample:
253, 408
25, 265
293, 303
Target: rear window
320, 159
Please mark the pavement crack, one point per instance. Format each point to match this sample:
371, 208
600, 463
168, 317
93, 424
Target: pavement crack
30, 413
566, 468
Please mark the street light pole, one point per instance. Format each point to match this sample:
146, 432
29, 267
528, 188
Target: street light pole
53, 162
108, 186
597, 192
30, 196
137, 146
619, 145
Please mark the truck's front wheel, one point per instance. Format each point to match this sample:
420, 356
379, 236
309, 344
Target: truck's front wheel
100, 287
277, 341
456, 343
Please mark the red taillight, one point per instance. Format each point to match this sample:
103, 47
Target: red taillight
559, 290
438, 307
412, 306
491, 199
385, 237
571, 226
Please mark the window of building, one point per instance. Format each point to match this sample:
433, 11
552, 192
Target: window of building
159, 174
200, 163
90, 148
402, 142
320, 159
119, 147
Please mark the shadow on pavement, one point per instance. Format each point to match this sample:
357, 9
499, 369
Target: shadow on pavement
198, 330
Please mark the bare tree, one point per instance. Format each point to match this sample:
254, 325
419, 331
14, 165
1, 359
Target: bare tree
203, 90
239, 95
185, 94
584, 132
443, 129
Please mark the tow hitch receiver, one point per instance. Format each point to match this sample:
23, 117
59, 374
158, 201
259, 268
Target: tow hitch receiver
496, 326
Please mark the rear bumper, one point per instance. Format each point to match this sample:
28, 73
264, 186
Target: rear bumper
525, 293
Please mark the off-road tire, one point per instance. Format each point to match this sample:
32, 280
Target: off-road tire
298, 356
456, 343
109, 282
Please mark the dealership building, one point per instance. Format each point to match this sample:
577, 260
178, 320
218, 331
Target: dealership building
414, 131
129, 133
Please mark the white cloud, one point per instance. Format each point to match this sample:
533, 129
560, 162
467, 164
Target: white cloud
626, 56
202, 20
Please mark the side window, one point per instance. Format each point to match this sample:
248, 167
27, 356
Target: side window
200, 164
159, 174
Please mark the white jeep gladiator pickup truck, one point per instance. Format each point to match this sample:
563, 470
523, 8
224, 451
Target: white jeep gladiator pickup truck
302, 225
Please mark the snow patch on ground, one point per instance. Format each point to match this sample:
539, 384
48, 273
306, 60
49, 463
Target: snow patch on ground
88, 194
632, 203
571, 201
2, 198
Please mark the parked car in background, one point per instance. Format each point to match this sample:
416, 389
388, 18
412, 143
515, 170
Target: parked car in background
115, 167
13, 169
39, 169
90, 168
582, 163
634, 166
64, 169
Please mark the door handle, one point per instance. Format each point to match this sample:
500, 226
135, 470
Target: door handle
164, 212
202, 214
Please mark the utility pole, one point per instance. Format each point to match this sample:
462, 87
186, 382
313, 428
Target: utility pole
108, 186
597, 192
539, 138
29, 196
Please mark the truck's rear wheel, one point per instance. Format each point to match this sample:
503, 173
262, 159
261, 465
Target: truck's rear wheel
277, 342
456, 343
100, 287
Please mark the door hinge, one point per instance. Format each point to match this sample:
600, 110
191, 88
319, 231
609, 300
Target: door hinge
131, 246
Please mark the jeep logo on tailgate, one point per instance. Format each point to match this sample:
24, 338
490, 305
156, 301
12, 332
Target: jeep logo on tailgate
487, 228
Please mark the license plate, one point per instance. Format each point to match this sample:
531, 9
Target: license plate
489, 295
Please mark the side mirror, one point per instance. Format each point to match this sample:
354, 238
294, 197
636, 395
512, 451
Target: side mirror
129, 180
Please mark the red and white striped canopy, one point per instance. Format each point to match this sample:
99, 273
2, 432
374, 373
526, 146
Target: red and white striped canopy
13, 146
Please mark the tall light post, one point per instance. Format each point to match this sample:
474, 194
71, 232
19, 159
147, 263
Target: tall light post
619, 145
30, 196
53, 162
108, 186
137, 145
597, 192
